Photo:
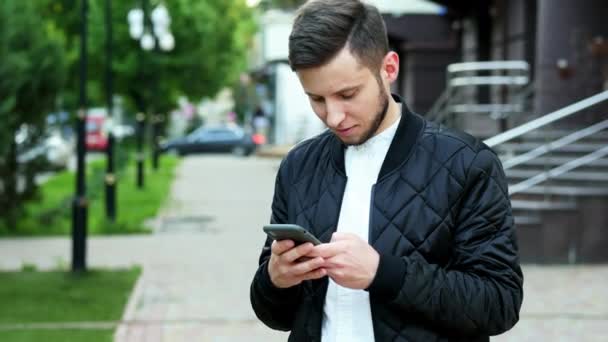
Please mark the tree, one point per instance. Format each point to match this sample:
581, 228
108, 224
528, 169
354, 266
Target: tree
32, 71
212, 39
283, 4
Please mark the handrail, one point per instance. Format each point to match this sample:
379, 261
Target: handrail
462, 81
558, 171
460, 75
546, 119
484, 108
491, 65
554, 145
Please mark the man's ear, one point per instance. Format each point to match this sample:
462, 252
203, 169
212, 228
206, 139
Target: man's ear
390, 66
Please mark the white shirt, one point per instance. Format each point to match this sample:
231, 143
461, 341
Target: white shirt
347, 314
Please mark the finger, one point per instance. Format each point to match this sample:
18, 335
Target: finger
316, 274
280, 247
295, 253
328, 250
334, 262
304, 267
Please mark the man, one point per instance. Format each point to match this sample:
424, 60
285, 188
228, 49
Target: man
415, 219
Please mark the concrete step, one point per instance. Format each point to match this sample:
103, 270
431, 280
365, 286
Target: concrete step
597, 176
556, 161
567, 190
542, 205
528, 146
527, 220
556, 134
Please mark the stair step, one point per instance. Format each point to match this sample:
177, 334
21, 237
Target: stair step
556, 134
567, 190
527, 146
573, 175
556, 161
527, 220
542, 205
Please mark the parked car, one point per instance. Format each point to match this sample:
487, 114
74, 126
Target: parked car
96, 139
54, 149
218, 139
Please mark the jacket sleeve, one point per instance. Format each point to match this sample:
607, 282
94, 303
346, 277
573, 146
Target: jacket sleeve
480, 291
274, 306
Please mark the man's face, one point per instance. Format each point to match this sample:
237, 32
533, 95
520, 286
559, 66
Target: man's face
347, 97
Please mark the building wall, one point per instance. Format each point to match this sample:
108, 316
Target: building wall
426, 44
565, 31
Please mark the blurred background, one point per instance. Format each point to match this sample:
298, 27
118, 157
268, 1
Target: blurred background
139, 140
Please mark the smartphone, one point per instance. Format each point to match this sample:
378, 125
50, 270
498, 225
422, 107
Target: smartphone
298, 234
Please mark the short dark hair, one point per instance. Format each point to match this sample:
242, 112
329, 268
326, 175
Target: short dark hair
322, 28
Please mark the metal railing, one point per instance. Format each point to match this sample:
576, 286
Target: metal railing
547, 119
464, 79
544, 121
555, 145
558, 171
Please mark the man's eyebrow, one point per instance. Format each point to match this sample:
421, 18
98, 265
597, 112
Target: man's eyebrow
343, 90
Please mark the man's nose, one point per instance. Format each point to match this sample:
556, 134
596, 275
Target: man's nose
335, 114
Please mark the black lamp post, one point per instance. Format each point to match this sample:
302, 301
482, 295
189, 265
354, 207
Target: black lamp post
141, 127
156, 132
110, 178
80, 202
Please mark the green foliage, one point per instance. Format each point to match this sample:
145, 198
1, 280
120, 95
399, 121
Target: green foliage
32, 55
284, 4
32, 70
40, 53
65, 16
212, 38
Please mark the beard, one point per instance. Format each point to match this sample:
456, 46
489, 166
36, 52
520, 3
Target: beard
376, 121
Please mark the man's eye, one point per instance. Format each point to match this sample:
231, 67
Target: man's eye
317, 99
348, 96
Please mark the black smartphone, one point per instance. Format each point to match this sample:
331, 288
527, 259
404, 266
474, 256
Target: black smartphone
293, 232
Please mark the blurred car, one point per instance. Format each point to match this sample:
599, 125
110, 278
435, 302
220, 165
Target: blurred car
122, 131
59, 151
96, 139
54, 149
221, 139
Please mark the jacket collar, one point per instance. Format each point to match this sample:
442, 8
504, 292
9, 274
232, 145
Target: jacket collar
406, 135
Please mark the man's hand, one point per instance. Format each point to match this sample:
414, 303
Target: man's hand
284, 268
349, 261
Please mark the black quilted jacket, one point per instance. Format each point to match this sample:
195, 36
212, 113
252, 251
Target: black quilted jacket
441, 221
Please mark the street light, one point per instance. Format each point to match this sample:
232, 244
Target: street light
156, 35
80, 202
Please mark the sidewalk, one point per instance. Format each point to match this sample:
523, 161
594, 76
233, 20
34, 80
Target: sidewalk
198, 290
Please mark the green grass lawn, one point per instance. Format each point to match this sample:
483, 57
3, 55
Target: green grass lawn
54, 297
51, 215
